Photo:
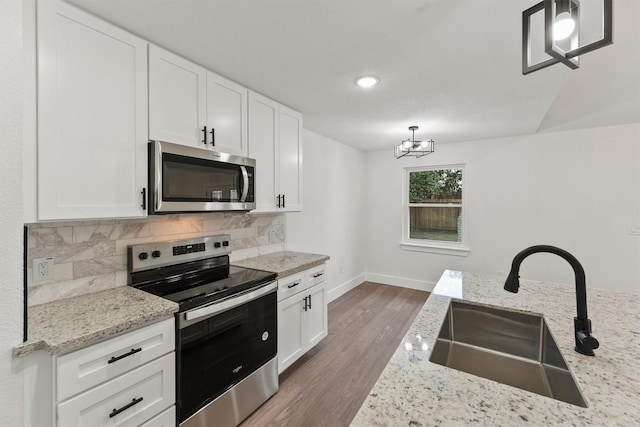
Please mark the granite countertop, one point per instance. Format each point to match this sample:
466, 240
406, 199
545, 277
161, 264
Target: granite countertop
283, 263
412, 391
69, 324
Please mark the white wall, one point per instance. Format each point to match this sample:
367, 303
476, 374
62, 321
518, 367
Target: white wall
578, 190
333, 211
11, 289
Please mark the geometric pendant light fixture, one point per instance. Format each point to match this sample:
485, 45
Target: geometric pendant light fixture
411, 147
562, 33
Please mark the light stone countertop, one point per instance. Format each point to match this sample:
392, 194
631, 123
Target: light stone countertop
412, 391
69, 324
283, 263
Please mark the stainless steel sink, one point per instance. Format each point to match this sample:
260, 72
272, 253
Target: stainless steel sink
509, 347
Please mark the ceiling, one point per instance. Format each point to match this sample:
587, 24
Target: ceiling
451, 67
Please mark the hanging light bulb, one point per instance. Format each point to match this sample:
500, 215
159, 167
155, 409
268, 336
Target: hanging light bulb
564, 26
406, 144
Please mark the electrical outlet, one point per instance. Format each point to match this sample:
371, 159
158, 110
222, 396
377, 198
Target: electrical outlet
42, 269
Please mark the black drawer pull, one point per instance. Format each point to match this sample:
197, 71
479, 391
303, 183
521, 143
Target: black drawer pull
293, 285
122, 356
317, 275
309, 302
125, 407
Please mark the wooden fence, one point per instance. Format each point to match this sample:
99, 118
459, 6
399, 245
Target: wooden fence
434, 218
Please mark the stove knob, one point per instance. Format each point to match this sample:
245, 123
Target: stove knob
225, 243
155, 254
143, 256
216, 245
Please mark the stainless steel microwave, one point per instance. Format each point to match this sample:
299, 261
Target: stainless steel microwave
189, 179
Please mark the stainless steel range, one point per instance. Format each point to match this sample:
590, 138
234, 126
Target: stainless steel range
226, 327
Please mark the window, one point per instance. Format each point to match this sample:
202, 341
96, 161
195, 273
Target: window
433, 210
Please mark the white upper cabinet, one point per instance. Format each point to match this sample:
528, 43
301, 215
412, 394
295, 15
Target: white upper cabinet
263, 136
92, 115
275, 141
177, 99
190, 105
227, 115
290, 159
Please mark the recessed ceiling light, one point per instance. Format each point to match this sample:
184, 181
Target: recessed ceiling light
367, 81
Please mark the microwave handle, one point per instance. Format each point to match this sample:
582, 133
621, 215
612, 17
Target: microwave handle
245, 183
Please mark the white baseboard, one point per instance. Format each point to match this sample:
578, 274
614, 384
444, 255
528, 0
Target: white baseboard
345, 287
421, 285
338, 291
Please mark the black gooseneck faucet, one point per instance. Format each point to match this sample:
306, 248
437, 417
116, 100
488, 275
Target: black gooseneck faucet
585, 342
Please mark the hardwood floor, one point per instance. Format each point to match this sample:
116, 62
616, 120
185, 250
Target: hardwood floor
327, 386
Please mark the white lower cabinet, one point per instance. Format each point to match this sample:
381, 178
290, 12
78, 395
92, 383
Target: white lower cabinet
128, 400
128, 380
302, 314
165, 419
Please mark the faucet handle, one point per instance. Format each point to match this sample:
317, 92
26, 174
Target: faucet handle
585, 342
588, 343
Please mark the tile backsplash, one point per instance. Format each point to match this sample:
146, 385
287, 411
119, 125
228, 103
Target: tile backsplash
91, 256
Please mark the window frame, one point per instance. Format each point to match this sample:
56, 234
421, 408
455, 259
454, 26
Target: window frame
433, 246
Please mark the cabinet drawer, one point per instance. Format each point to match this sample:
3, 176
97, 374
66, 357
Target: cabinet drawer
127, 400
93, 365
291, 285
316, 275
165, 419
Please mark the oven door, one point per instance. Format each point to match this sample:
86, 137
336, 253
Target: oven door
219, 346
188, 179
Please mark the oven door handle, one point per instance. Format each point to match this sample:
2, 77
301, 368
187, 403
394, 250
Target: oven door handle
228, 303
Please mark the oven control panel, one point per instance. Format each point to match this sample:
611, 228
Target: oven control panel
190, 249
150, 255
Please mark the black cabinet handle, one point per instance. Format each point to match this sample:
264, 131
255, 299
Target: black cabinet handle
283, 205
213, 136
305, 304
317, 275
144, 199
278, 204
122, 356
309, 302
125, 407
204, 131
293, 285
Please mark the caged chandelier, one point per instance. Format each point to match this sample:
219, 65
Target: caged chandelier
411, 147
562, 33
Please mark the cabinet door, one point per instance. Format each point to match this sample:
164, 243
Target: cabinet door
177, 99
227, 115
316, 317
92, 109
289, 162
263, 136
290, 331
